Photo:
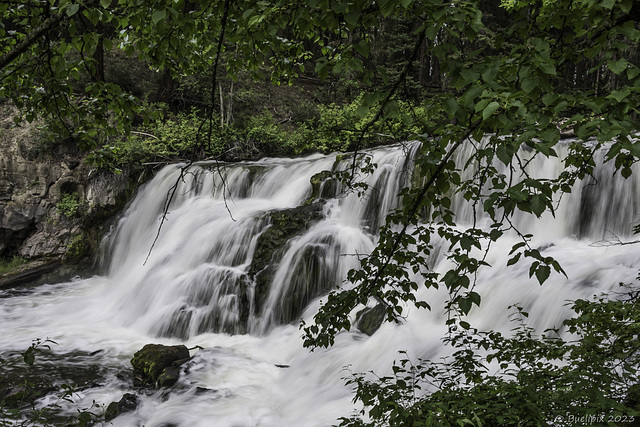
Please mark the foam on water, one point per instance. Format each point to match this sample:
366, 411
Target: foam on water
189, 289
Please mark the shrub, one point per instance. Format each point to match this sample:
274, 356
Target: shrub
589, 379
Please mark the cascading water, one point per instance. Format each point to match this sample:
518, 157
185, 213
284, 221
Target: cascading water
237, 262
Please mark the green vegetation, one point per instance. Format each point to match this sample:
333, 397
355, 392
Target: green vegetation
68, 204
514, 75
521, 379
9, 264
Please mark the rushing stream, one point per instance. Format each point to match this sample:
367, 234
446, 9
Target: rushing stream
197, 287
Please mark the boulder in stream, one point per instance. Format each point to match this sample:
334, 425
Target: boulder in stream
368, 320
128, 403
285, 224
158, 365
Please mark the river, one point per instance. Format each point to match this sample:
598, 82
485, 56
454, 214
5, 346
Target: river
249, 369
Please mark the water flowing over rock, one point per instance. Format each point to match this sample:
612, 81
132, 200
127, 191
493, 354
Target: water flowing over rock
271, 245
239, 260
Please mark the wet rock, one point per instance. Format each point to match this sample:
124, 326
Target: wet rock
28, 273
168, 377
128, 403
272, 243
158, 365
204, 391
368, 320
323, 185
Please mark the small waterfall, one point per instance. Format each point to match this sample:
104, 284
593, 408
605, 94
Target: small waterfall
204, 275
598, 207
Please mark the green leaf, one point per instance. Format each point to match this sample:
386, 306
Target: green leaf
105, 3
352, 19
465, 305
619, 95
626, 5
29, 356
451, 106
474, 297
632, 72
514, 259
549, 98
538, 204
490, 109
158, 15
505, 153
529, 85
363, 48
469, 76
548, 68
617, 66
542, 273
72, 9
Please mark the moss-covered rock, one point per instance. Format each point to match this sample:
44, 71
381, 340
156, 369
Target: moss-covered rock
323, 184
158, 365
312, 274
271, 244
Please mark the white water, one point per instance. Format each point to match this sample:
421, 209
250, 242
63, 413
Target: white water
192, 286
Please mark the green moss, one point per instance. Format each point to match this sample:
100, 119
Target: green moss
154, 363
9, 264
316, 185
79, 248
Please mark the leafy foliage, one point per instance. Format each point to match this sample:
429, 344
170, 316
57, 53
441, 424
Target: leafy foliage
522, 379
68, 204
505, 100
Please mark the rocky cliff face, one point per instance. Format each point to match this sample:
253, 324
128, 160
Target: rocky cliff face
52, 205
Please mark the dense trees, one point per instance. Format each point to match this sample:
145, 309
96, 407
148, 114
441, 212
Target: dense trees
515, 74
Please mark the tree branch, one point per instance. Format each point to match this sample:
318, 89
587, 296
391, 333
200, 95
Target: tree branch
48, 25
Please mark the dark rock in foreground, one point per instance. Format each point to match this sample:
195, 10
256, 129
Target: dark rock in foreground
368, 320
128, 403
158, 365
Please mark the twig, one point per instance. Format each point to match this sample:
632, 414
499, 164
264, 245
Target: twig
135, 132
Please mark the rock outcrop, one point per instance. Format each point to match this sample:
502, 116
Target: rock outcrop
52, 204
128, 403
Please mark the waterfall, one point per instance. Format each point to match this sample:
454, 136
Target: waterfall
246, 250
